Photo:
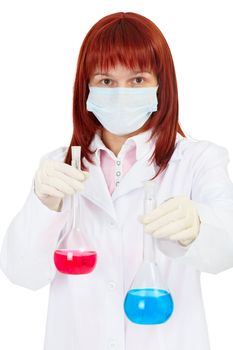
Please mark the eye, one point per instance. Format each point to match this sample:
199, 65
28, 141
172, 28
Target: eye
105, 80
139, 79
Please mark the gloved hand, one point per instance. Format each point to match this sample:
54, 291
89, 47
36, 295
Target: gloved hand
54, 179
175, 219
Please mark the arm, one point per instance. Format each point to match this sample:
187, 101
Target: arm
31, 238
212, 195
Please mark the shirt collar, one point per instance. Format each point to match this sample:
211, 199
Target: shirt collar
143, 145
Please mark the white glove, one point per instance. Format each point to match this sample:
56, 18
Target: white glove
54, 179
175, 219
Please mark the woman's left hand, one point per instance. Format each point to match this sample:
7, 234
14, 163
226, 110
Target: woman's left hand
175, 219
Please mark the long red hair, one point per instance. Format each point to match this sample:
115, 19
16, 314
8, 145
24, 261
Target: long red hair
135, 42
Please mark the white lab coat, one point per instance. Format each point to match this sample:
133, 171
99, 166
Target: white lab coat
85, 312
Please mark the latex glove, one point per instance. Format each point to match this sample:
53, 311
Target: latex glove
55, 179
175, 219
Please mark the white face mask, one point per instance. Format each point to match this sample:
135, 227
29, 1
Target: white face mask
122, 110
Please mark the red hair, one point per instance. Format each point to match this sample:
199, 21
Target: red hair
135, 42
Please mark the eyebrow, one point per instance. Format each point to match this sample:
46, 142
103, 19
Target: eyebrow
133, 72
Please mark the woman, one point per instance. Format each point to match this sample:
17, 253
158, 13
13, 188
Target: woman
125, 116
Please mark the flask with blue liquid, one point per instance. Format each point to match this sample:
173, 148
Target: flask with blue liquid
148, 301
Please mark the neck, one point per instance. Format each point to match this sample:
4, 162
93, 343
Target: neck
114, 142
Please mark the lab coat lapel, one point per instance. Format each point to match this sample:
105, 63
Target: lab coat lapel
96, 189
142, 171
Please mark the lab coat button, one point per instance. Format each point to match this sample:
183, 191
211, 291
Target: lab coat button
118, 173
112, 344
112, 223
118, 162
112, 285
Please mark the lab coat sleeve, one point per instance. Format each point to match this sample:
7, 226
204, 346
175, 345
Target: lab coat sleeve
212, 195
27, 250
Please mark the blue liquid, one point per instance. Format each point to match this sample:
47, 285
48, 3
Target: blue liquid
148, 306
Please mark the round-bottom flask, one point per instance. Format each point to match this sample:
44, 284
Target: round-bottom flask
148, 301
73, 255
75, 261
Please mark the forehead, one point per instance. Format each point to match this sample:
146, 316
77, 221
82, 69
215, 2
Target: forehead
119, 70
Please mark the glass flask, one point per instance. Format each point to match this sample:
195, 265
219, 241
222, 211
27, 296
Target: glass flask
73, 255
148, 301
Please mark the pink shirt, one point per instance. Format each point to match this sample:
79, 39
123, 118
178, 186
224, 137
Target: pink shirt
115, 168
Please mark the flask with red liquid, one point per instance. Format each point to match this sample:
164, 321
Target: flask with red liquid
73, 255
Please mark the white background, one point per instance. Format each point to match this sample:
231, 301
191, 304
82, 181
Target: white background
40, 42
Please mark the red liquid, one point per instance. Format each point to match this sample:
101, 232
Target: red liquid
74, 262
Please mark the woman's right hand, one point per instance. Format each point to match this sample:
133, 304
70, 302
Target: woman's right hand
55, 179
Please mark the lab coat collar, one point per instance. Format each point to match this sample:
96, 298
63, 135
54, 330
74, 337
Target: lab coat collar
96, 189
140, 140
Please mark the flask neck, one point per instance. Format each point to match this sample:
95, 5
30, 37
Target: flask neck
148, 248
149, 205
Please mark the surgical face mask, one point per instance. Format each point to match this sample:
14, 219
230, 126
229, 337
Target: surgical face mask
122, 110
